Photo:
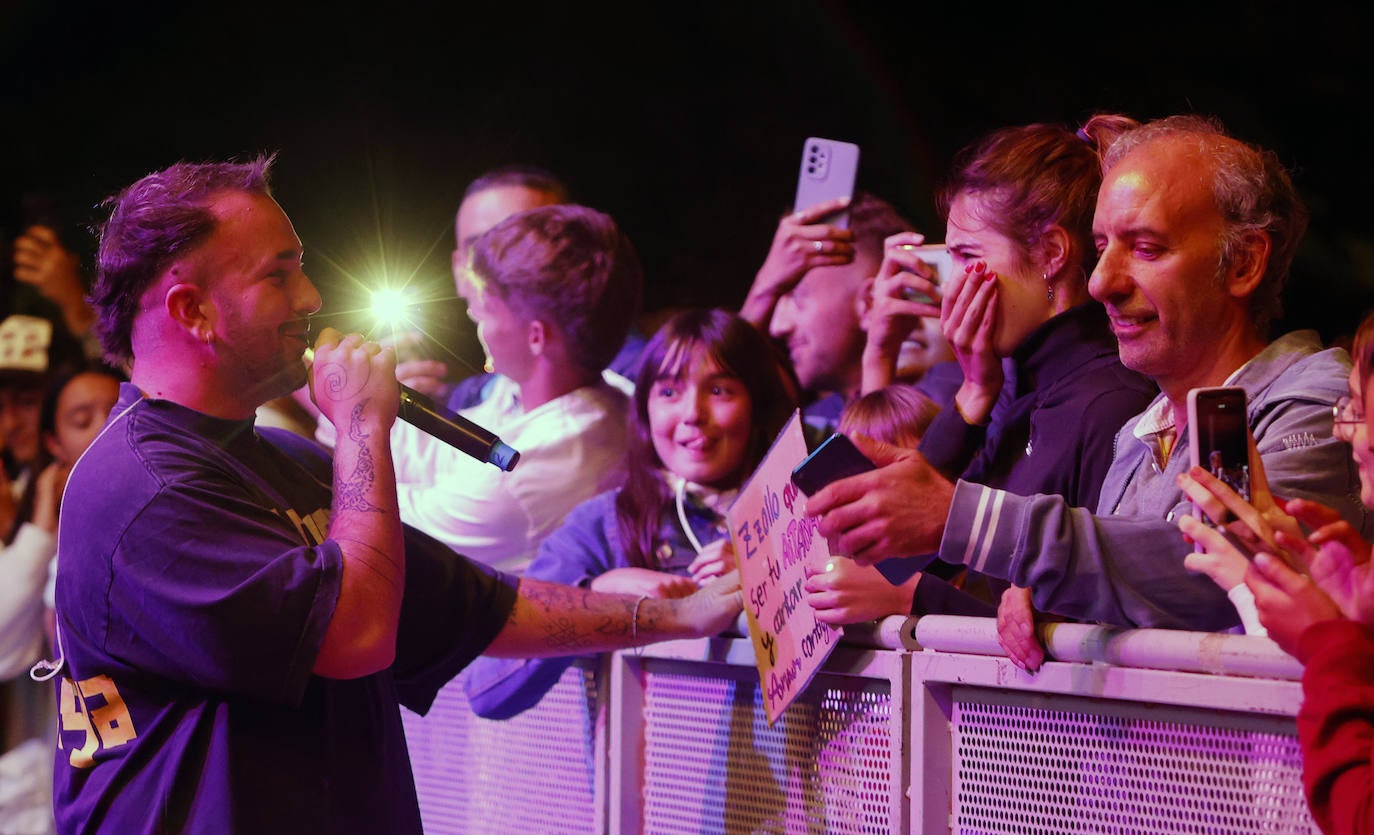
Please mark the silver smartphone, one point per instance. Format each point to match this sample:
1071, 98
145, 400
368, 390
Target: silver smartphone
937, 256
828, 170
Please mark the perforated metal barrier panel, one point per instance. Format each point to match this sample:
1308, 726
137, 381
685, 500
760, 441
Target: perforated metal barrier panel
885, 741
1025, 763
535, 772
712, 763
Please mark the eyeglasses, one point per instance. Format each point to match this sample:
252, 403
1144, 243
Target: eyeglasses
1346, 415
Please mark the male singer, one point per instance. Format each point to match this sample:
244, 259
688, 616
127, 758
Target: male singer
239, 615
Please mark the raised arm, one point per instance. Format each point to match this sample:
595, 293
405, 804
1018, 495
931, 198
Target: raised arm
42, 261
893, 313
801, 242
355, 388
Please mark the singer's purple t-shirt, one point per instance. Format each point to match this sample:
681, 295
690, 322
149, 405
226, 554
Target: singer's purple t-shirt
194, 587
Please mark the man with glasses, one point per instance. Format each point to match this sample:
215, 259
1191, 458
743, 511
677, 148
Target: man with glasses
1195, 232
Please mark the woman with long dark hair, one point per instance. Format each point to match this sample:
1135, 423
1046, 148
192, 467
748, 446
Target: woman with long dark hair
710, 397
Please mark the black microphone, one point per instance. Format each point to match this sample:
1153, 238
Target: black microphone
450, 427
455, 430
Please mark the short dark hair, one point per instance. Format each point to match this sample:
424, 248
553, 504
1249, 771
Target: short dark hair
568, 266
1251, 189
526, 176
873, 220
153, 222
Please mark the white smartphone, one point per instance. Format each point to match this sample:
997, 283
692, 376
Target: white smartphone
828, 170
1219, 434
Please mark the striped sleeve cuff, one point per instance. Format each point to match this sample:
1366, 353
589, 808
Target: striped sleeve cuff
971, 528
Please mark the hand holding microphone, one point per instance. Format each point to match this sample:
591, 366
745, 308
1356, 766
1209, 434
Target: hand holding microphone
451, 428
353, 382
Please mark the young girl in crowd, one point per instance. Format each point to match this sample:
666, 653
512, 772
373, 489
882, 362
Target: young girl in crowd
1043, 391
709, 399
1312, 581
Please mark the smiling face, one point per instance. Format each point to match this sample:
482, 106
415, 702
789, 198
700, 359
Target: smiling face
259, 297
1158, 232
922, 348
700, 420
1022, 301
819, 321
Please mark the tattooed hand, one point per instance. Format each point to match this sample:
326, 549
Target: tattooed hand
353, 383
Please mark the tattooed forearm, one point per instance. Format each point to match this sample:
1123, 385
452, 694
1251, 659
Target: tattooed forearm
353, 493
561, 633
573, 619
552, 597
551, 619
612, 626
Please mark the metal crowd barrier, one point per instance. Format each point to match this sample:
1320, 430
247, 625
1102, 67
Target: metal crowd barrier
916, 726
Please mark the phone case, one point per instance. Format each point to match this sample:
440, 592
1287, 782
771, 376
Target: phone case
828, 170
1219, 434
834, 459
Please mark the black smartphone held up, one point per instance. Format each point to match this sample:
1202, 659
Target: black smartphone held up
1218, 436
835, 458
828, 170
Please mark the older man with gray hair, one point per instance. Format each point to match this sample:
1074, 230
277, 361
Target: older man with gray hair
1196, 232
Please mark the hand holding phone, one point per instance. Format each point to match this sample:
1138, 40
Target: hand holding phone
828, 170
834, 459
1219, 438
937, 257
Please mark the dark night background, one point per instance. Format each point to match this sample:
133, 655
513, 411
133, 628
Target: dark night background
683, 121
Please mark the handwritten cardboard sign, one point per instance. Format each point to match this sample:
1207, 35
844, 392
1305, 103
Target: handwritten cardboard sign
774, 542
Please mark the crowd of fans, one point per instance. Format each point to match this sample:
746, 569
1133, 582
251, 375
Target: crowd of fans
1027, 414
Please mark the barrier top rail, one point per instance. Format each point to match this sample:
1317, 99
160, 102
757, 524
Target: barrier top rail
1215, 653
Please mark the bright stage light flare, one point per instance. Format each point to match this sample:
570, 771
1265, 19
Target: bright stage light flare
391, 306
